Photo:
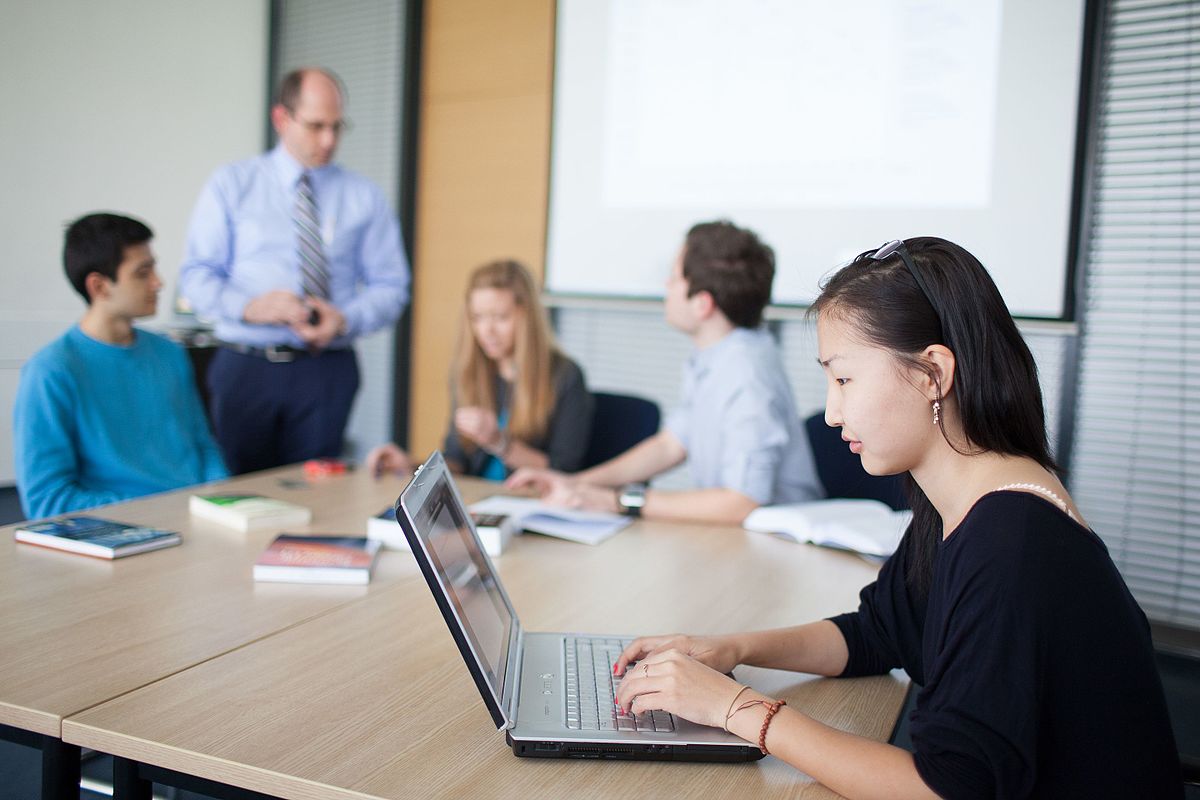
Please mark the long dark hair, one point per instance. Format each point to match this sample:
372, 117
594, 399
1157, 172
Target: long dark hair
995, 381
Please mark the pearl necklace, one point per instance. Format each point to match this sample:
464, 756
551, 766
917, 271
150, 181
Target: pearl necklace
1042, 490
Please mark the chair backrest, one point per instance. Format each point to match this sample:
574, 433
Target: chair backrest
619, 422
841, 472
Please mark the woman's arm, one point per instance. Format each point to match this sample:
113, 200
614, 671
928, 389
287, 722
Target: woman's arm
569, 429
817, 648
851, 765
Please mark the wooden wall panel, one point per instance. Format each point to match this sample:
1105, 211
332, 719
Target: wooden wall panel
482, 174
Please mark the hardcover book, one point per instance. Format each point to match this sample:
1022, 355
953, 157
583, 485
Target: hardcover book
248, 512
317, 559
93, 536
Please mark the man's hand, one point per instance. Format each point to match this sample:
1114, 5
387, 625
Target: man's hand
557, 489
325, 330
276, 308
478, 425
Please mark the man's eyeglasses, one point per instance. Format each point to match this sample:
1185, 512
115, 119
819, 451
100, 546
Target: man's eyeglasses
337, 128
896, 248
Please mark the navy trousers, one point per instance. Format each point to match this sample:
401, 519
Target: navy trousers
268, 414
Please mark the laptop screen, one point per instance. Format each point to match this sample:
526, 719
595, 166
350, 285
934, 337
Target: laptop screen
465, 575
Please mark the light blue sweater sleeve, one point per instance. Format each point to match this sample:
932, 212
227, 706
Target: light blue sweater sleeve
45, 432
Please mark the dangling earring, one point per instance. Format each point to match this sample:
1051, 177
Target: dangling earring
937, 409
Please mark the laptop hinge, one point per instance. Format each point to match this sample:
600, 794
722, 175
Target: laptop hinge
513, 687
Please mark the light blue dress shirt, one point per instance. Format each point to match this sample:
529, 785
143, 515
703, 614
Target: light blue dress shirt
95, 423
242, 243
739, 424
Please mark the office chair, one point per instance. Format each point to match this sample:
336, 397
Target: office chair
841, 471
618, 423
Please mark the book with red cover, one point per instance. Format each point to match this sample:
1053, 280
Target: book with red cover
317, 559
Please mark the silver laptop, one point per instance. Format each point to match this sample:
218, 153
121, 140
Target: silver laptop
551, 693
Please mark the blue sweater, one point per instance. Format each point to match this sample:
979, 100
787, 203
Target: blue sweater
95, 423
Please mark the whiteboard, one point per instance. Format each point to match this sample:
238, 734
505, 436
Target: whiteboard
828, 128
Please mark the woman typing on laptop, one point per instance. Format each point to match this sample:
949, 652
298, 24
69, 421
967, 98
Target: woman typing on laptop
519, 401
1035, 662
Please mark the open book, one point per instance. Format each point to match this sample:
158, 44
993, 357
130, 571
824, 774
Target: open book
495, 531
531, 514
864, 526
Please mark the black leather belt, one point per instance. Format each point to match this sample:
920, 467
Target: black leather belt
276, 353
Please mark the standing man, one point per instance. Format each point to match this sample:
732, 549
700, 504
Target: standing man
294, 257
737, 427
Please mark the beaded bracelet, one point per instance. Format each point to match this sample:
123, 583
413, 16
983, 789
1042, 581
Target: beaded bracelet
772, 710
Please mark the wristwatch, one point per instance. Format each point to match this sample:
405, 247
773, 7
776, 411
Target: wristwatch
632, 498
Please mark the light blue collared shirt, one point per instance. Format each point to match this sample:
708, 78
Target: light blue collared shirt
739, 424
242, 243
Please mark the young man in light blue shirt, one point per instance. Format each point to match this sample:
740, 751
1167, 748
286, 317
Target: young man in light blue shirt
108, 411
737, 426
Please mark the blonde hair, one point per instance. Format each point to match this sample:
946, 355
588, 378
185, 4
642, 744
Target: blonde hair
535, 353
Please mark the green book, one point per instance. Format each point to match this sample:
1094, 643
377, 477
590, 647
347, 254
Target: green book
248, 512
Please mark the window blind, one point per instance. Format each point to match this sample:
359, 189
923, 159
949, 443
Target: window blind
1136, 457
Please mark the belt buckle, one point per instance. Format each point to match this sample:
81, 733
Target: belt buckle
278, 356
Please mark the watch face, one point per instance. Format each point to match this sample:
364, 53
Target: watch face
632, 499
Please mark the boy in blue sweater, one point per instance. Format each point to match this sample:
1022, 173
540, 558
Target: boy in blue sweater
107, 412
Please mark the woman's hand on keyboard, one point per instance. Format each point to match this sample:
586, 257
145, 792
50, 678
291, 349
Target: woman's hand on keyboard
718, 652
674, 682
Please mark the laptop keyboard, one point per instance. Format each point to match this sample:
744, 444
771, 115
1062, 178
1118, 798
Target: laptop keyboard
591, 688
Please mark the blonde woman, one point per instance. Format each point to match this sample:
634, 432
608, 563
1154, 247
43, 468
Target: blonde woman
518, 400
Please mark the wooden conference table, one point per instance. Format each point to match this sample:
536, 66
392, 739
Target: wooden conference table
177, 661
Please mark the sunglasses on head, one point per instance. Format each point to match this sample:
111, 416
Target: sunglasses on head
896, 248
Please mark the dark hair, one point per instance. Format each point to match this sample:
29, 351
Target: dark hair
995, 380
96, 243
732, 265
288, 93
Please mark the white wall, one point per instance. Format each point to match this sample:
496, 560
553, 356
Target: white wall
121, 105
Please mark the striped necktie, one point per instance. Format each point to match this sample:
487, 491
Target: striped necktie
314, 269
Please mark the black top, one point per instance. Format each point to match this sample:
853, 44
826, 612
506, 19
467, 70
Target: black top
1036, 663
567, 436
